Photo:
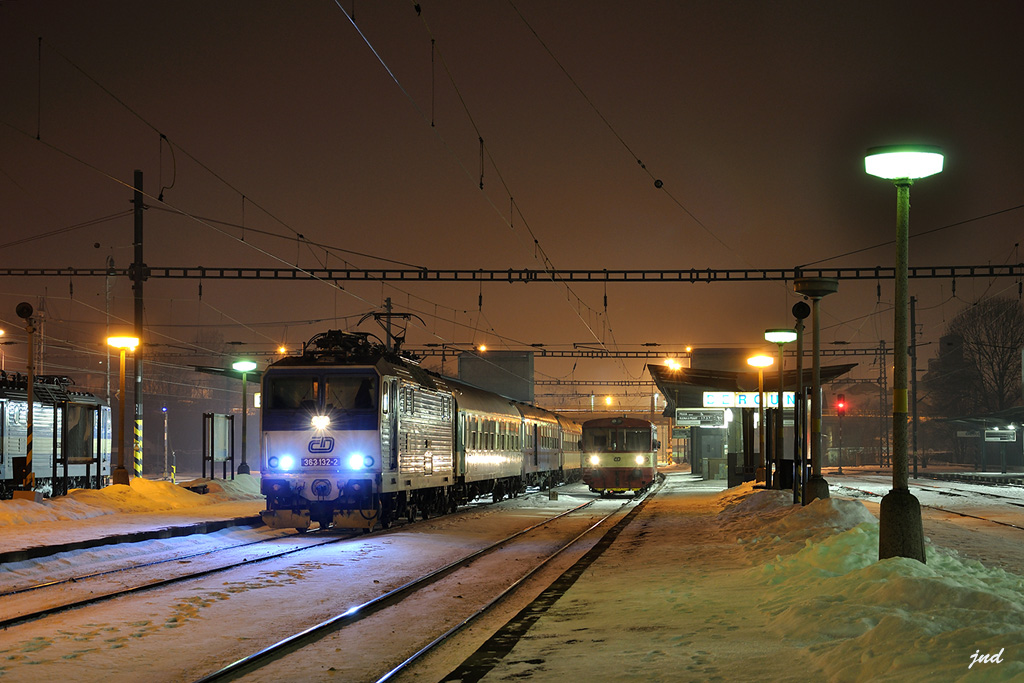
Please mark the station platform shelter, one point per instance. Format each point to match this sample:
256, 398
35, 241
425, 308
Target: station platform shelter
714, 408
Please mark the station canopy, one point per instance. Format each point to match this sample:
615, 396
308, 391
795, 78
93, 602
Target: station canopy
685, 387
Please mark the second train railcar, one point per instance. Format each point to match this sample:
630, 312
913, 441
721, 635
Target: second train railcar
620, 454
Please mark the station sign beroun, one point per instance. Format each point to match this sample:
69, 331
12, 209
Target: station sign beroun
746, 399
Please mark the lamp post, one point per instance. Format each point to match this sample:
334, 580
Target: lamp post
816, 288
761, 362
123, 344
800, 312
780, 336
900, 533
244, 366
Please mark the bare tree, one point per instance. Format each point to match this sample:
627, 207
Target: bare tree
978, 370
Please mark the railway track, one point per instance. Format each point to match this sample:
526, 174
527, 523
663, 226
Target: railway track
82, 595
501, 643
38, 600
400, 606
1008, 500
942, 509
953, 491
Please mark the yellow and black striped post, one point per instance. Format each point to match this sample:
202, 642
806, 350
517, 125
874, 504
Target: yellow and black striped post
138, 446
28, 482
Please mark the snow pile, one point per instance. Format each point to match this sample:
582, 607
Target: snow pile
141, 495
865, 619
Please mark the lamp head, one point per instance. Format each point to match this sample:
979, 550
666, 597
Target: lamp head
760, 361
123, 342
903, 162
243, 365
780, 335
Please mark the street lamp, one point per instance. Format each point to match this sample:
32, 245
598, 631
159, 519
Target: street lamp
244, 367
123, 344
780, 336
900, 532
816, 288
760, 362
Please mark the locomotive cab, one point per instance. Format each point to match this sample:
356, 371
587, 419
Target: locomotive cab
320, 451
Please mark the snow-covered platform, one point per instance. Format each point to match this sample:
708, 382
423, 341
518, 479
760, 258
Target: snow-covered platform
87, 518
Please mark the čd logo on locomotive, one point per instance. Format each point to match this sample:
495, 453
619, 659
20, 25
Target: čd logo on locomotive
321, 444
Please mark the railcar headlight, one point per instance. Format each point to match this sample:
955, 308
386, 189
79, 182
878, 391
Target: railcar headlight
287, 462
594, 460
355, 461
320, 422
639, 460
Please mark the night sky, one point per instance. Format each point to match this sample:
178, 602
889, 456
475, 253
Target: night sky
288, 118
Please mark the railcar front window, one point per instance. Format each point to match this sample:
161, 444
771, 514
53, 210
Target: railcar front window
351, 392
292, 392
596, 441
638, 440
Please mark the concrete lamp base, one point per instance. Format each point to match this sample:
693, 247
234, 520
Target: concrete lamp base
900, 533
816, 487
120, 475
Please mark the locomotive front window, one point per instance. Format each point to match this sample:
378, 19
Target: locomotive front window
351, 392
291, 392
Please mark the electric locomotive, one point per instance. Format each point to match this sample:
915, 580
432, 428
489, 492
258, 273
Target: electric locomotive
620, 454
354, 434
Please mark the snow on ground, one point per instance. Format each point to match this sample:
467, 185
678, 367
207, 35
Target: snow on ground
120, 508
744, 586
705, 584
141, 495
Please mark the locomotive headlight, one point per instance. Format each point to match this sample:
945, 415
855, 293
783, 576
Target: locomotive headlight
355, 461
594, 460
639, 460
287, 462
320, 422
273, 461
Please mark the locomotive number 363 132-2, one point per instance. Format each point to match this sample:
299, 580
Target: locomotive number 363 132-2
321, 462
